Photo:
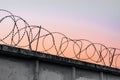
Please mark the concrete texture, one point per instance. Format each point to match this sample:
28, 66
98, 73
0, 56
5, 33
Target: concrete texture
111, 77
87, 75
54, 72
21, 64
13, 69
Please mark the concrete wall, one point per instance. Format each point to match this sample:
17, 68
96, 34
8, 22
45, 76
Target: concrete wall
87, 75
49, 71
15, 69
27, 67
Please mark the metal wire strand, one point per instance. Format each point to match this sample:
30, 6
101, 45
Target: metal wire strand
37, 38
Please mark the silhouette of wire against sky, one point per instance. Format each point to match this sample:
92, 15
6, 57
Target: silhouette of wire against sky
37, 38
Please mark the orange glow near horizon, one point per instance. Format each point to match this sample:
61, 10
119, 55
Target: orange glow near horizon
92, 20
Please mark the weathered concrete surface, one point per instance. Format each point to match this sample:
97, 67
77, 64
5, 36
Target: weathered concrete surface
21, 64
14, 69
111, 77
54, 72
87, 75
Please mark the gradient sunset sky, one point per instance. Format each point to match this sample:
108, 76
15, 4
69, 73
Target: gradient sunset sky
95, 20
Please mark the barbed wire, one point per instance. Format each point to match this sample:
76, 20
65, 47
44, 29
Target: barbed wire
37, 38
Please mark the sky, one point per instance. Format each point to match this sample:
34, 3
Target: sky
94, 20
